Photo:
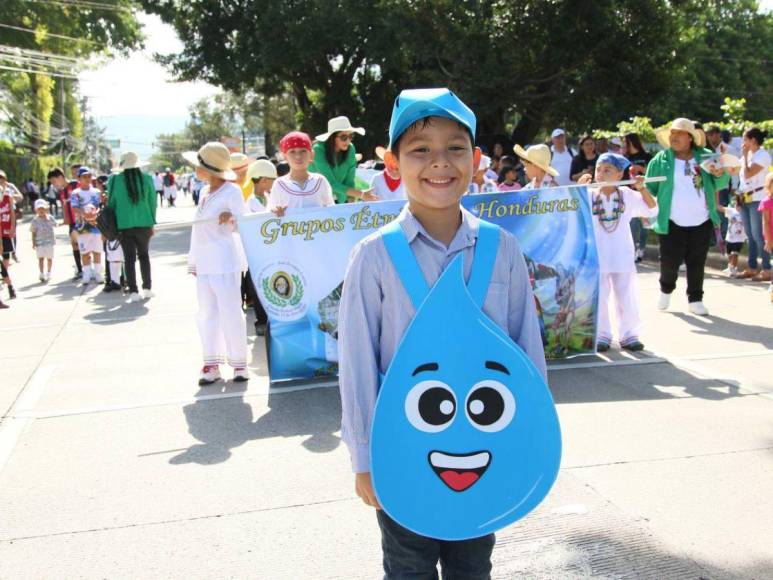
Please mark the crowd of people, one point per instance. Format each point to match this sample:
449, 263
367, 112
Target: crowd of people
697, 190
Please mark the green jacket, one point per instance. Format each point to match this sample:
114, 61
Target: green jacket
127, 214
662, 165
341, 177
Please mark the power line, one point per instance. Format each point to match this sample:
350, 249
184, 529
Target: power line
87, 4
46, 33
52, 74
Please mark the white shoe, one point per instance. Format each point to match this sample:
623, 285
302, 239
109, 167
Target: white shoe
48, 276
664, 301
42, 277
86, 279
99, 278
133, 297
148, 294
209, 375
682, 268
698, 309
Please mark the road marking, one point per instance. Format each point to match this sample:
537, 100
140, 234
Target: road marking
18, 417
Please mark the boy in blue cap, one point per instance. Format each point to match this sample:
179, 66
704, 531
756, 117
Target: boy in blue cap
432, 143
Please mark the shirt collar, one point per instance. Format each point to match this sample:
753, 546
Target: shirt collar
465, 236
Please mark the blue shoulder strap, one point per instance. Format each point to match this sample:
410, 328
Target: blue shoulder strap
413, 278
405, 262
483, 262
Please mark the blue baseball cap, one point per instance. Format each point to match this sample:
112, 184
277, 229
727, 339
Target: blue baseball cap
414, 104
83, 171
614, 159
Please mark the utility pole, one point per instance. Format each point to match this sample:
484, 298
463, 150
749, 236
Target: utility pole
244, 142
62, 124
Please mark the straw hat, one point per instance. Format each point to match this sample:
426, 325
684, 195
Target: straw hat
338, 124
539, 155
681, 124
261, 168
213, 157
240, 161
130, 160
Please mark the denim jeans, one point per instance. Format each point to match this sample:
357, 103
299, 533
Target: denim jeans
639, 233
410, 556
752, 223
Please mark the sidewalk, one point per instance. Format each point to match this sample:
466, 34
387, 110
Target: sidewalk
113, 463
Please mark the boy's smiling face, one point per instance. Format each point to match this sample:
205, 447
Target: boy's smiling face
436, 162
299, 158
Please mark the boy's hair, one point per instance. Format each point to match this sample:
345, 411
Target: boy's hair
423, 124
55, 172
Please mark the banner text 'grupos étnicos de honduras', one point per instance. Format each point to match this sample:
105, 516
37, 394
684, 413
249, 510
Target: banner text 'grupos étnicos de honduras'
298, 263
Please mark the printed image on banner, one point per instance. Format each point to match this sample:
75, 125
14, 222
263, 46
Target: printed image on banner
298, 263
555, 231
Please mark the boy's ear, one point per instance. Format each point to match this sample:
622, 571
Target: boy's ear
390, 160
311, 154
476, 153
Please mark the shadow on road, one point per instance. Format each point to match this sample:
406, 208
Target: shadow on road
636, 383
724, 328
223, 425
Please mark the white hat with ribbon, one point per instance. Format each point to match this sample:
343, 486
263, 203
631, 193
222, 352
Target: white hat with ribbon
338, 125
212, 157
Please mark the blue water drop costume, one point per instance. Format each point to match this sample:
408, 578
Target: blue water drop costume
465, 436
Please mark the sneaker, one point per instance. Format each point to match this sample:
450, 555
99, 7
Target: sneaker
148, 293
241, 375
664, 301
78, 276
602, 346
42, 277
698, 309
110, 286
209, 374
260, 329
48, 276
634, 345
133, 297
99, 278
682, 268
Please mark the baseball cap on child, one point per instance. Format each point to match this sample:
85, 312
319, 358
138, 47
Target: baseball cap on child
83, 171
412, 105
40, 203
295, 140
614, 159
557, 133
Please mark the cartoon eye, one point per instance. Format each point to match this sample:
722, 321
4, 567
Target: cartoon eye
490, 406
430, 406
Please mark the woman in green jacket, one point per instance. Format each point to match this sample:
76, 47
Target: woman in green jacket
335, 158
687, 209
133, 198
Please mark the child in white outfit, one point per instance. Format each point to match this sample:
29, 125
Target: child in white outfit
613, 209
735, 237
216, 258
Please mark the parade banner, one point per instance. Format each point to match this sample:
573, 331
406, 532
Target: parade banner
298, 262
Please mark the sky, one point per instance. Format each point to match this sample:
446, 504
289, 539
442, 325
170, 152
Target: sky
134, 98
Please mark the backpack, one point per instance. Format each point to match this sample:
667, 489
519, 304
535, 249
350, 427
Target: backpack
106, 220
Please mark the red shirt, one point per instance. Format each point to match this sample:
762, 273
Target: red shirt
7, 215
67, 211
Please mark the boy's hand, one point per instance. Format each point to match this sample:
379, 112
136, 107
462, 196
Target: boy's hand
368, 195
225, 217
279, 211
585, 179
364, 488
639, 185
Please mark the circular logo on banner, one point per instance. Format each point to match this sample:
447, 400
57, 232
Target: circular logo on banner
283, 287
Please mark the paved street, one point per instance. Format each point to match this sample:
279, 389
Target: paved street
114, 463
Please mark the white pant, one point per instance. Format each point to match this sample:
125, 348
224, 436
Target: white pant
220, 319
625, 290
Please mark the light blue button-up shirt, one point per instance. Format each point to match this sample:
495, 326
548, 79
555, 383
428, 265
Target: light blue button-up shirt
376, 310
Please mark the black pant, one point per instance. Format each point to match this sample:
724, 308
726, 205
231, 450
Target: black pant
248, 291
691, 246
135, 243
409, 555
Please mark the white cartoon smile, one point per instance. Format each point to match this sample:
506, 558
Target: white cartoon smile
459, 471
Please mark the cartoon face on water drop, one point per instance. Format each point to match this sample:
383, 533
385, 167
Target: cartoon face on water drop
465, 435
